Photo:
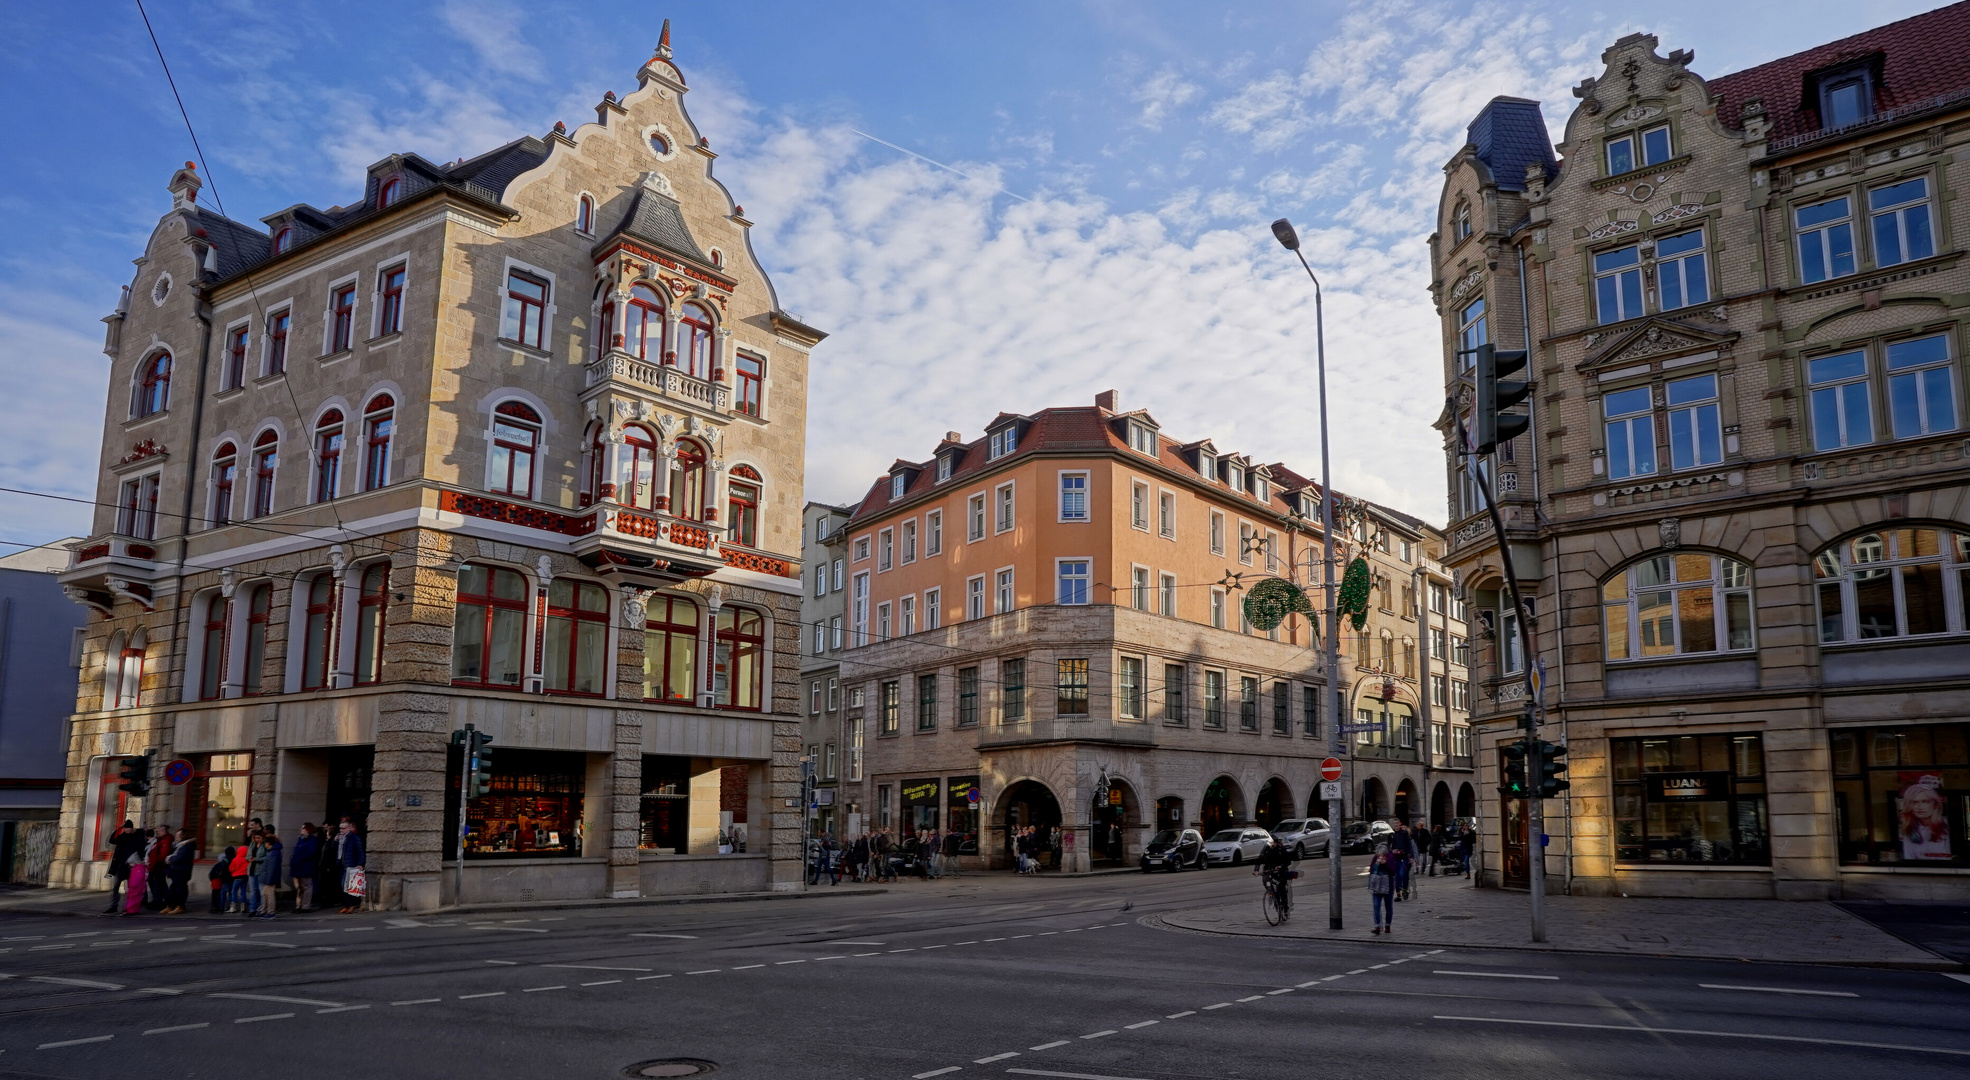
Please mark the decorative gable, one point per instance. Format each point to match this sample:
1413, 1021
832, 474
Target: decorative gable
1657, 337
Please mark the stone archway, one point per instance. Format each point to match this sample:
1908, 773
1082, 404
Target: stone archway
1027, 803
1224, 805
1466, 802
1439, 805
1274, 804
1112, 824
1169, 813
1405, 805
1374, 799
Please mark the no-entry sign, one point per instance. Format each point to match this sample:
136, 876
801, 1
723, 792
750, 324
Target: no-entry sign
1330, 769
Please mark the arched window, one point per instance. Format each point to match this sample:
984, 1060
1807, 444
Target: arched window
1685, 604
225, 473
636, 478
259, 606
318, 632
742, 513
388, 193
585, 215
670, 650
687, 481
328, 455
212, 672
1894, 583
278, 324
488, 643
577, 636
515, 437
127, 684
643, 323
379, 424
235, 373
694, 340
605, 336
283, 240
154, 386
739, 663
266, 458
369, 623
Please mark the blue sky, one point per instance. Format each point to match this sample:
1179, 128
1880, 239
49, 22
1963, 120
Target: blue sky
1119, 161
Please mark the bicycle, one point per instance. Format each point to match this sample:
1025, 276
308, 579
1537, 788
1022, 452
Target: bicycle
1278, 898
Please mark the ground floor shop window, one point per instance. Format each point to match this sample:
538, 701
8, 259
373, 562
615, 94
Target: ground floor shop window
215, 801
1902, 795
920, 799
666, 805
534, 807
111, 804
1690, 799
960, 813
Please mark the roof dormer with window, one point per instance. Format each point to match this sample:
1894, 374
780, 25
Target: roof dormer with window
1002, 437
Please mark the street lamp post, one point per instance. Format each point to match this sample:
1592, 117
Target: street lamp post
1290, 240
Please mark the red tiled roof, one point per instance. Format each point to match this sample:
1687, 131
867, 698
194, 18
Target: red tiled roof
1926, 56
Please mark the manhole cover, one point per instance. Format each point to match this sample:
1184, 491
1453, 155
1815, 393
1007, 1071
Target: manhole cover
671, 1067
1456, 916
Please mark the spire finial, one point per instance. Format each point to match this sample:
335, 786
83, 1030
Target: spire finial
663, 42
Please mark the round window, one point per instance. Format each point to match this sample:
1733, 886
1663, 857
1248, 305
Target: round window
658, 143
161, 290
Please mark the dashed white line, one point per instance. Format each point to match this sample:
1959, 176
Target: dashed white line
858, 942
964, 943
1100, 1034
1285, 990
1254, 997
1358, 971
157, 990
75, 1042
417, 1001
784, 963
818, 959
1376, 967
1779, 990
39, 948
282, 1000
1181, 1015
1016, 937
507, 963
594, 967
995, 1057
298, 932
340, 1008
1331, 978
927, 948
1051, 1045
994, 939
741, 967
1498, 975
1714, 1034
1143, 1024
604, 982
647, 978
862, 954
892, 950
180, 1027
89, 983
538, 989
494, 993
1219, 1005
257, 1019
934, 1072
680, 937
706, 971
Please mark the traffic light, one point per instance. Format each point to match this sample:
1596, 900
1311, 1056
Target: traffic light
1551, 770
1514, 786
135, 776
1494, 425
479, 771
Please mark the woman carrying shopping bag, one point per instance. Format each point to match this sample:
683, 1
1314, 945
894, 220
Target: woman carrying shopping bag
355, 881
1381, 889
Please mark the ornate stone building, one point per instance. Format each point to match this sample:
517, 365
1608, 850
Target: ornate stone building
514, 441
1743, 503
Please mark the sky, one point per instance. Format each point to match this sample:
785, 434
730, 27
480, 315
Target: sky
1080, 200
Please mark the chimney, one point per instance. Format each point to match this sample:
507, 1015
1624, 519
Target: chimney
953, 436
1108, 399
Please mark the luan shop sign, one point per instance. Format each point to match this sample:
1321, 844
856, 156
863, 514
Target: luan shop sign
1689, 787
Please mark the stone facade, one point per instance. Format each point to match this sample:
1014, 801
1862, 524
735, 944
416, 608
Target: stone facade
823, 618
1692, 326
366, 406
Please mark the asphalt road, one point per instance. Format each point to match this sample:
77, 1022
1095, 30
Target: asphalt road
984, 977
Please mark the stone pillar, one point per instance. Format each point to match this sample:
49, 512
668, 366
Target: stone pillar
660, 482
626, 774
611, 465
407, 793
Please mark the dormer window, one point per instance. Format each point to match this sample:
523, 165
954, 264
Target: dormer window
283, 240
1003, 443
896, 485
388, 193
945, 463
1207, 465
1234, 476
1261, 489
1846, 95
1142, 440
1631, 152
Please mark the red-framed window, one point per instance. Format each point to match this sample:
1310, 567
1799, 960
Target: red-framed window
585, 215
670, 650
577, 637
636, 483
137, 508
369, 623
225, 473
110, 804
390, 302
524, 317
259, 608
488, 644
266, 459
643, 322
605, 339
388, 192
694, 340
277, 326
318, 641
739, 661
283, 240
235, 374
752, 382
743, 514
328, 455
379, 424
687, 481
154, 387
129, 678
212, 672
342, 319
516, 437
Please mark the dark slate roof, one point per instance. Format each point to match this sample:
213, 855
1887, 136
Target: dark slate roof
657, 219
1924, 57
240, 246
494, 170
1509, 135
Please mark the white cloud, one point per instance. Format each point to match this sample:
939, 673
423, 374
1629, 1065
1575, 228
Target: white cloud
52, 361
496, 31
1164, 93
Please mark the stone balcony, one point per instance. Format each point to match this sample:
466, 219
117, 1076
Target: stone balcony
623, 371
627, 542
109, 566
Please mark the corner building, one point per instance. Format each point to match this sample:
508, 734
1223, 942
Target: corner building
1744, 502
1045, 628
514, 441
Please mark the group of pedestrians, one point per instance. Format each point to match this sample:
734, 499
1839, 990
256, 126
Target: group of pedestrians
1389, 870
151, 871
1028, 844
925, 854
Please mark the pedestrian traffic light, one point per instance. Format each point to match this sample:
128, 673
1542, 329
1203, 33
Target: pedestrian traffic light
135, 776
1494, 425
480, 766
1514, 786
1551, 770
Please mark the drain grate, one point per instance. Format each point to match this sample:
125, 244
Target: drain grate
671, 1067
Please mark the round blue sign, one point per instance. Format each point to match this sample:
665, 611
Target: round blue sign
178, 771
972, 795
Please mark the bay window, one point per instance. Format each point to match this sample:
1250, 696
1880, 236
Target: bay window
278, 325
225, 473
390, 301
328, 455
234, 374
643, 323
687, 481
379, 424
743, 509
1074, 579
1473, 330
153, 387
341, 320
259, 608
752, 380
136, 512
212, 672
694, 340
1073, 497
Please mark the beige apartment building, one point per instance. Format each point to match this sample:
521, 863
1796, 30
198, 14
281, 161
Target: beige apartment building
513, 441
1743, 503
1044, 628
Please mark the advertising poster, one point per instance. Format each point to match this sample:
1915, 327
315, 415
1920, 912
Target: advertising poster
1924, 821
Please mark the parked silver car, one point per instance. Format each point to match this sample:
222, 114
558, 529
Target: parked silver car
1236, 846
1302, 836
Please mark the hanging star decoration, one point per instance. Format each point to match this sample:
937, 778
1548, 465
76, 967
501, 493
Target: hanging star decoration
1270, 601
1352, 604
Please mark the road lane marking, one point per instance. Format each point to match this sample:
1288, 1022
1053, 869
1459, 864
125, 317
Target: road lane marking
340, 1008
995, 1057
39, 948
706, 971
269, 1016
934, 1072
818, 959
1778, 990
1100, 1034
1219, 1005
594, 967
1254, 997
180, 1027
538, 989
157, 990
741, 967
1143, 1024
1498, 975
1376, 967
282, 1000
863, 954
965, 943
1072, 1076
994, 939
1954, 975
604, 982
1051, 1045
1359, 971
1329, 978
505, 963
1181, 1015
90, 983
231, 940
1287, 990
515, 929
469, 997
1016, 937
647, 978
680, 937
858, 942
1713, 1034
912, 949
784, 963
417, 1001
75, 1042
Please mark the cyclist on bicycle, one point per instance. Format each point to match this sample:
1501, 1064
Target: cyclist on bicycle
1274, 863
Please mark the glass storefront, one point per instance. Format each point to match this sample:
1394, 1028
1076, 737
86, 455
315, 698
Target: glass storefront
666, 805
215, 801
920, 804
1690, 799
534, 807
1901, 795
960, 813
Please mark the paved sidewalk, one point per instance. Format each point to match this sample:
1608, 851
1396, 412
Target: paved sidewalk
1451, 912
82, 902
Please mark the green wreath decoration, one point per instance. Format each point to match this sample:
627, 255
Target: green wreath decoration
1353, 601
1273, 599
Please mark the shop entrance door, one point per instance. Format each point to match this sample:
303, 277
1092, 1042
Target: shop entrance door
1516, 872
349, 769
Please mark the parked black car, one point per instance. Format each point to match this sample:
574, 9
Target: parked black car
1174, 849
1360, 837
